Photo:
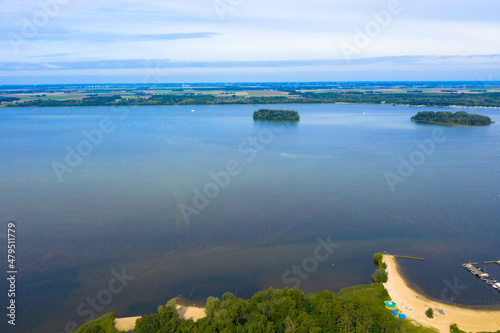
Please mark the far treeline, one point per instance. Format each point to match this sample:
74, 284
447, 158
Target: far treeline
426, 99
267, 114
447, 118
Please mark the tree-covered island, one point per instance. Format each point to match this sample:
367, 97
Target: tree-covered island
459, 118
268, 114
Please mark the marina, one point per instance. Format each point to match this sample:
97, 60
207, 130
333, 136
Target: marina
479, 273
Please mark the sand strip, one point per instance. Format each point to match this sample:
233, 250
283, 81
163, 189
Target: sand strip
414, 306
185, 312
125, 324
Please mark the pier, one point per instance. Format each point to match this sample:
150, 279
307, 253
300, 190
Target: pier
405, 257
478, 272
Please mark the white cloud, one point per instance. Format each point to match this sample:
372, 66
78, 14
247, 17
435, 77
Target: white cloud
249, 30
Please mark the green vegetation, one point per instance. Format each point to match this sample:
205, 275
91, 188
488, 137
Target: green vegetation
448, 118
102, 324
355, 309
380, 274
267, 114
429, 99
8, 99
454, 329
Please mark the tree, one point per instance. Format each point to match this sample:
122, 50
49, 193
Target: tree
380, 275
429, 313
454, 329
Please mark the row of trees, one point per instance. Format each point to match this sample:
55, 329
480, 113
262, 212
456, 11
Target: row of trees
481, 99
380, 274
428, 99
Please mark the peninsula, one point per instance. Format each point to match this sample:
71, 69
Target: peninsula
268, 114
459, 118
386, 305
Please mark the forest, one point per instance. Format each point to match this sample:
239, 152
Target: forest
267, 114
448, 118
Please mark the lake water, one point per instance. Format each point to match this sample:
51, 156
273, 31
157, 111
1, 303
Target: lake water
199, 200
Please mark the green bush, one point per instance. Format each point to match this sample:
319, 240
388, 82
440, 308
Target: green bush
454, 329
380, 275
429, 313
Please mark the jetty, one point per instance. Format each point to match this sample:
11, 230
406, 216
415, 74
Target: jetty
406, 257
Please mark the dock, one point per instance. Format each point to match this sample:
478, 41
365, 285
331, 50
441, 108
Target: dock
492, 262
478, 272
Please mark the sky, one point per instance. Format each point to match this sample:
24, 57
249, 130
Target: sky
153, 41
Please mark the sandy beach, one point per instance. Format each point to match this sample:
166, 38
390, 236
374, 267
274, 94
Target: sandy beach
414, 305
185, 312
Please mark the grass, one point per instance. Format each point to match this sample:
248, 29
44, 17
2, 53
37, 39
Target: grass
102, 324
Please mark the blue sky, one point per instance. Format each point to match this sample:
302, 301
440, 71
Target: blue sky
69, 41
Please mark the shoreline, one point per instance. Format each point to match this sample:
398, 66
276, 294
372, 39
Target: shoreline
413, 305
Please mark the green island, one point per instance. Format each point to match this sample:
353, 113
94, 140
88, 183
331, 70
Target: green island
355, 309
268, 114
459, 118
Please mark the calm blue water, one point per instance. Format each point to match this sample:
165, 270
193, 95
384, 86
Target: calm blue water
129, 202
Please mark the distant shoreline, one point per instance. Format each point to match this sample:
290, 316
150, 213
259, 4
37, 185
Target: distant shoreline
414, 304
7, 106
